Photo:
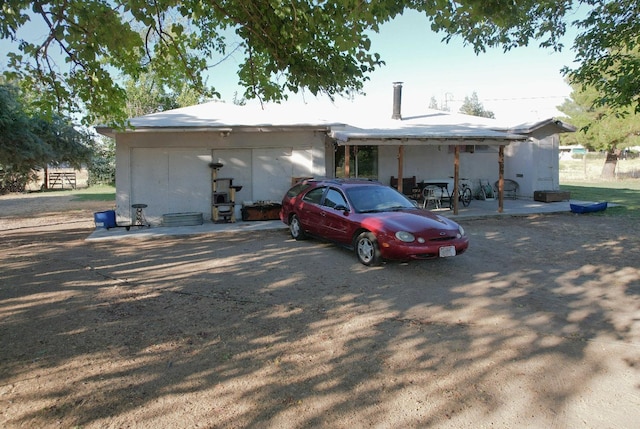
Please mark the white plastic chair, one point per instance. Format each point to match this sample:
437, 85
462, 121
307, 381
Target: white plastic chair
431, 194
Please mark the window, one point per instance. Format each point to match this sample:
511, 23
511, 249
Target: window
314, 196
334, 198
363, 162
297, 189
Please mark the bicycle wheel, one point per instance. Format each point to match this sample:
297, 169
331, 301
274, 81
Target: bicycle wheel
466, 197
481, 195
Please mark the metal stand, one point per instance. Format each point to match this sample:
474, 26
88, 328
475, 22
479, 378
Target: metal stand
223, 203
140, 220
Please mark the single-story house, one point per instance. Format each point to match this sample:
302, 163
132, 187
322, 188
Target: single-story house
180, 160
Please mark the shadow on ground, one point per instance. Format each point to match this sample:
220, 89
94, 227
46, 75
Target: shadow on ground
535, 325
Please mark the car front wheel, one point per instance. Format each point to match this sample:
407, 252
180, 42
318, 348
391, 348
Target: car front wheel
367, 249
295, 228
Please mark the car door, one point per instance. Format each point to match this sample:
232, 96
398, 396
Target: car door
310, 211
334, 217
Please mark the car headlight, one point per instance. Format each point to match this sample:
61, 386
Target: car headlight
461, 230
405, 236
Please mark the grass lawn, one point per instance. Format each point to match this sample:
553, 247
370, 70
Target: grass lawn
581, 177
626, 193
94, 193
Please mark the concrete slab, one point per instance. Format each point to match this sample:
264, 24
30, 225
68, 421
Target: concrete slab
477, 209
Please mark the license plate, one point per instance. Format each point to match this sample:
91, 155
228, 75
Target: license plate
447, 251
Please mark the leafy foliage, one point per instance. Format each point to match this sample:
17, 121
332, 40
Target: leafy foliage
433, 104
30, 140
148, 95
102, 165
287, 46
472, 106
601, 128
608, 53
321, 47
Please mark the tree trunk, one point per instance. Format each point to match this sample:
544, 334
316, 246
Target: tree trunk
609, 169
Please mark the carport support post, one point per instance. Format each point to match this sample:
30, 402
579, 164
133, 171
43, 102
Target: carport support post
456, 177
500, 179
347, 161
400, 172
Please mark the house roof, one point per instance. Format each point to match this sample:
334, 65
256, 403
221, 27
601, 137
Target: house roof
430, 127
346, 125
222, 116
554, 126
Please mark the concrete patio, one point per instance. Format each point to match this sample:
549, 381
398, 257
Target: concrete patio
477, 209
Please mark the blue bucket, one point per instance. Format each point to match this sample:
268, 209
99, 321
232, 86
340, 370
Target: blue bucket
106, 219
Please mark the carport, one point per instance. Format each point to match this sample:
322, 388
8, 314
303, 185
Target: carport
430, 136
399, 133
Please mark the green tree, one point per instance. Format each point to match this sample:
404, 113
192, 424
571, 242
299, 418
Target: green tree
144, 96
601, 128
147, 94
321, 47
433, 104
472, 106
607, 54
30, 140
102, 165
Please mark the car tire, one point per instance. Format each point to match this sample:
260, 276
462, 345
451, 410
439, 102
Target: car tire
367, 250
295, 228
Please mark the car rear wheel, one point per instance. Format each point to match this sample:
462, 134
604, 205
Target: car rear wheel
367, 249
295, 228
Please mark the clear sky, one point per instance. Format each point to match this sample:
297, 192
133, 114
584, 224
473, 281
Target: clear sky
524, 81
521, 85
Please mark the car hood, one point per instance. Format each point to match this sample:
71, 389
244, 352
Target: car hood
410, 220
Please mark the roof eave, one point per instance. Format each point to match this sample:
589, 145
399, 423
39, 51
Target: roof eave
427, 141
110, 132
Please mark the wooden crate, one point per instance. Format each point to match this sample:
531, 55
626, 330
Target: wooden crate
261, 212
551, 196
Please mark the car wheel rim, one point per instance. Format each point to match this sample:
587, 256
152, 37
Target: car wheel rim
295, 227
365, 250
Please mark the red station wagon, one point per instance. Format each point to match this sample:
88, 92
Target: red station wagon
375, 220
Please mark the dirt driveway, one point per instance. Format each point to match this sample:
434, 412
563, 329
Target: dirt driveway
537, 325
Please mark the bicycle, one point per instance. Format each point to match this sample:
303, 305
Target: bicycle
464, 193
484, 190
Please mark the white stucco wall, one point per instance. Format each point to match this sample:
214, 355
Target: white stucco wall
435, 163
169, 171
534, 164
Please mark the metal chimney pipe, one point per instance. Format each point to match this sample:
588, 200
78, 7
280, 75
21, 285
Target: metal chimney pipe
397, 100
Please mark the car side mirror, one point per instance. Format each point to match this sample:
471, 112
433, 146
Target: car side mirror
342, 208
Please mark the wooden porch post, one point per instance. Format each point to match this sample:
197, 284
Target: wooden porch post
400, 169
501, 179
45, 185
347, 160
456, 177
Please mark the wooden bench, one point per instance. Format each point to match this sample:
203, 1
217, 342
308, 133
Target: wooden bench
511, 188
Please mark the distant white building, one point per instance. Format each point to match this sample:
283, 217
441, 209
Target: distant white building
164, 160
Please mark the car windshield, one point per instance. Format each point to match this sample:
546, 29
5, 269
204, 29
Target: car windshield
371, 199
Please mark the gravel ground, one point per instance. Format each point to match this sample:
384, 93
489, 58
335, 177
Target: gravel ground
537, 325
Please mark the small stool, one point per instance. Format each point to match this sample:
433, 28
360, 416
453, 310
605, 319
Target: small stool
140, 220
